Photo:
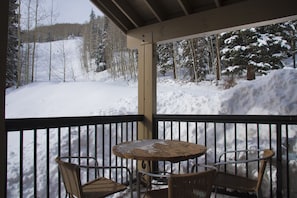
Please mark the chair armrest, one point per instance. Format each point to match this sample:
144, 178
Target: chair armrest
96, 164
97, 167
206, 166
235, 152
160, 175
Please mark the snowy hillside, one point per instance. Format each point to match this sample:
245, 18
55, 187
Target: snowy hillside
274, 94
97, 94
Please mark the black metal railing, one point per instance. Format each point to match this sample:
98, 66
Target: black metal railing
34, 143
220, 133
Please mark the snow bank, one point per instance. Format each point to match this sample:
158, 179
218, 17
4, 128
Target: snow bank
274, 94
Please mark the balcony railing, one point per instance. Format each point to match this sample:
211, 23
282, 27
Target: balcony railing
34, 143
233, 132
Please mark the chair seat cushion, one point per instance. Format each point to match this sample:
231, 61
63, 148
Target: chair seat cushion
161, 193
101, 187
235, 182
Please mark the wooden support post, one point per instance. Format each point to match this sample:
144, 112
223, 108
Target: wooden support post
146, 89
146, 92
3, 135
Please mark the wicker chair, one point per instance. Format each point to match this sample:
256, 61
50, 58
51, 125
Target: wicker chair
190, 185
240, 183
99, 187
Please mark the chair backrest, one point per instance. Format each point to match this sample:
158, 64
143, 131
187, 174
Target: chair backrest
71, 177
191, 185
267, 155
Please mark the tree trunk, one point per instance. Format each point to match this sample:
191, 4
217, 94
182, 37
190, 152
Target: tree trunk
293, 44
174, 49
218, 68
50, 51
64, 63
250, 72
193, 54
28, 47
34, 42
19, 69
211, 55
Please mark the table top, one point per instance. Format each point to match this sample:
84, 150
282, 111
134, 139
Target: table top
158, 150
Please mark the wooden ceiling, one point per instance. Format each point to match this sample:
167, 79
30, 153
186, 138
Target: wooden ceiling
131, 14
172, 19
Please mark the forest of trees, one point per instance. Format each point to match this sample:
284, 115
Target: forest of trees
257, 50
243, 53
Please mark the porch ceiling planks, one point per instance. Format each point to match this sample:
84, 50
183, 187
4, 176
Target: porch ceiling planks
131, 14
166, 20
184, 4
128, 11
156, 9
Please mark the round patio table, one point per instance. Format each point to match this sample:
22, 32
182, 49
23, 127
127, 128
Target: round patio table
158, 150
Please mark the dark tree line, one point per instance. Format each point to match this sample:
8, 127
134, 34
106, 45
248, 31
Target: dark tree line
105, 48
54, 32
234, 53
12, 46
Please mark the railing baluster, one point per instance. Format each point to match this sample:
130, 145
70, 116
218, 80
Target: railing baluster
59, 154
21, 162
246, 148
279, 161
88, 148
215, 137
187, 139
235, 145
103, 150
69, 141
35, 160
270, 165
47, 162
79, 144
205, 140
116, 142
110, 152
287, 162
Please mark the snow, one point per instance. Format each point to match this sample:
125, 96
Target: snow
141, 144
88, 94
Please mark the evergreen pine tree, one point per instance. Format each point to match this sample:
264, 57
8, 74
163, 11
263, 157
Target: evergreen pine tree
289, 32
12, 51
273, 48
165, 57
263, 48
196, 56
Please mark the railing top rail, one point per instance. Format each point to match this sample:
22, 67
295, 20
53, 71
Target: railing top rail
263, 119
42, 123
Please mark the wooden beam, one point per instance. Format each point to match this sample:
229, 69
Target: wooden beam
218, 3
184, 4
3, 57
155, 9
146, 89
128, 12
112, 12
249, 13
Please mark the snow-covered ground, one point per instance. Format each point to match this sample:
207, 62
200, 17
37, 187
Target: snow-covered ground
87, 94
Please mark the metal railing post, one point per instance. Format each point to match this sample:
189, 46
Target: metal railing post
279, 174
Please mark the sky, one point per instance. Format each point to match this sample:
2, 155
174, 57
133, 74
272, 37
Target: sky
65, 11
76, 11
